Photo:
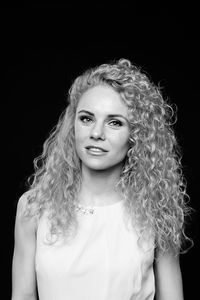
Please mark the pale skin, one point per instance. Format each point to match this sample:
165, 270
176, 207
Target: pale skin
101, 121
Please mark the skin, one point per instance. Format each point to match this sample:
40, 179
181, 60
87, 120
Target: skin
99, 174
168, 277
23, 267
102, 121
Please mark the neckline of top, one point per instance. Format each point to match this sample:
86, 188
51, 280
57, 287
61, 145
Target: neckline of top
90, 210
100, 206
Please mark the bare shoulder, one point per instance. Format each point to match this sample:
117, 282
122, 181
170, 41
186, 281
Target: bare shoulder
28, 224
167, 257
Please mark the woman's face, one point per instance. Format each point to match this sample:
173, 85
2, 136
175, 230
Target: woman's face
101, 129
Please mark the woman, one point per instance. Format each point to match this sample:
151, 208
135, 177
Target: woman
104, 216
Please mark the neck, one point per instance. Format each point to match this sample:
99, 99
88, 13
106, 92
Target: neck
98, 186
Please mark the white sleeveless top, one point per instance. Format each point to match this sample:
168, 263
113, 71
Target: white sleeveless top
103, 262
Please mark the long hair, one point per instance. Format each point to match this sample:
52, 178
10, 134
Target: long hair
151, 179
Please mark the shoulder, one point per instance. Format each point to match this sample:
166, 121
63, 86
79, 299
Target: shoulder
166, 260
23, 220
22, 203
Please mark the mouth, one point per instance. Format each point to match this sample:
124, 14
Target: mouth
95, 149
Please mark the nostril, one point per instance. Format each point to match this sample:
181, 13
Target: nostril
97, 135
98, 138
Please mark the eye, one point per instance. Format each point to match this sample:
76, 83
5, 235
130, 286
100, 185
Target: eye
116, 123
85, 119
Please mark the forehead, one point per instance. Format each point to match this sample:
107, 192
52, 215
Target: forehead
102, 99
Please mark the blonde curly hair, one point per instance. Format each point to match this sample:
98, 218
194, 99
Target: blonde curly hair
151, 178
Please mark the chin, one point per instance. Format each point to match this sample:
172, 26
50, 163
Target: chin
97, 164
103, 167
97, 167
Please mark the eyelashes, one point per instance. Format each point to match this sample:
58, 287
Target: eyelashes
113, 122
116, 123
85, 119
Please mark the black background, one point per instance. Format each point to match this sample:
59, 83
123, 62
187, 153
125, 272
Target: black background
45, 45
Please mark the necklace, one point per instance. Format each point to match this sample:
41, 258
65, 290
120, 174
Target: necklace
84, 210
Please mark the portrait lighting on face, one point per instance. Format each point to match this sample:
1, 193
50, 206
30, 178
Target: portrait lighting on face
101, 129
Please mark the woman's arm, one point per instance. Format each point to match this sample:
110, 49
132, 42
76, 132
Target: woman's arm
168, 277
23, 268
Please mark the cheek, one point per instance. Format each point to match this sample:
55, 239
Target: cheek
125, 147
122, 141
79, 133
78, 137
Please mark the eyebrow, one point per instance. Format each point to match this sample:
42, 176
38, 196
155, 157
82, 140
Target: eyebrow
109, 116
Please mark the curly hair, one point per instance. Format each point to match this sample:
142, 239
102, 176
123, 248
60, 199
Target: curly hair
151, 179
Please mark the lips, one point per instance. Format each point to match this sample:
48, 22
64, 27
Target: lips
94, 148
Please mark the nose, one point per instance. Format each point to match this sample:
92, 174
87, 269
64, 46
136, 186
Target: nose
97, 132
